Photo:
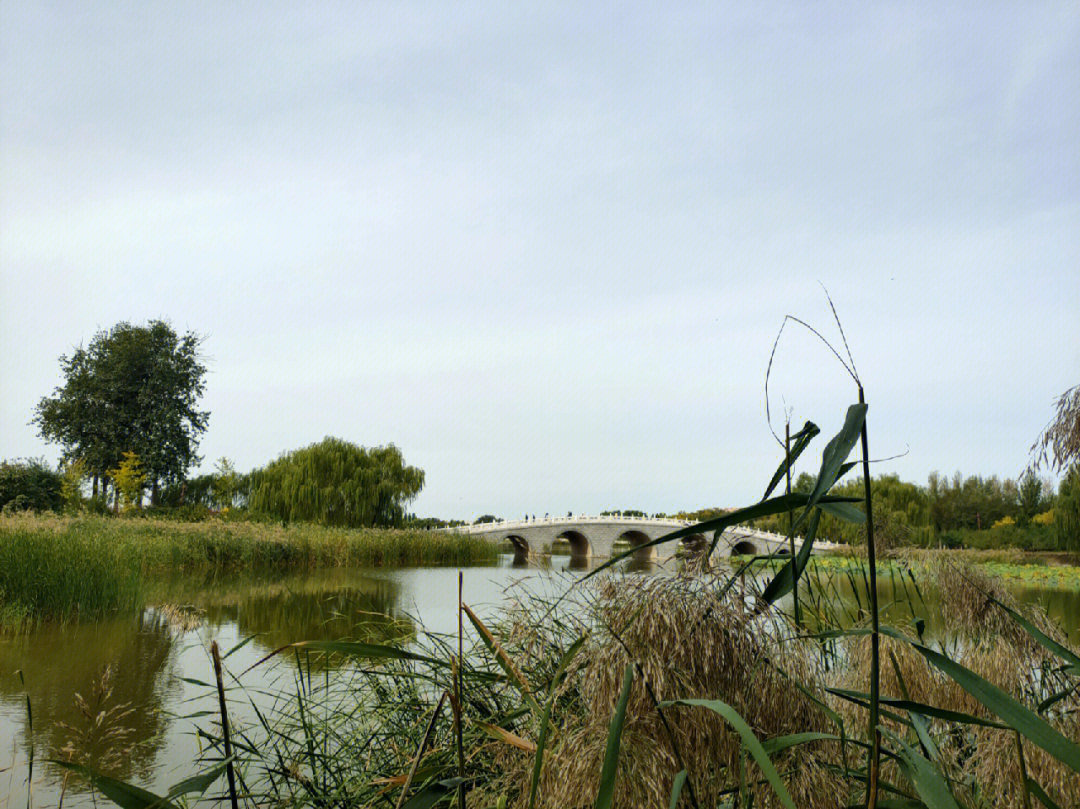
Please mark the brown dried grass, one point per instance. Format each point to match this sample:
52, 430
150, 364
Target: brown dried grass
689, 643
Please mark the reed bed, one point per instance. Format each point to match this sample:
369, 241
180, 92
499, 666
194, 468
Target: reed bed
54, 567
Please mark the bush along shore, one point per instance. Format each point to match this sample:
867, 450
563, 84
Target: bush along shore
55, 568
711, 689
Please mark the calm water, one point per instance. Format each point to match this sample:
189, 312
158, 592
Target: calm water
158, 666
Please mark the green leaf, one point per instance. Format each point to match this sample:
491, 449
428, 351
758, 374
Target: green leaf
778, 744
371, 651
848, 512
797, 444
782, 583
928, 782
201, 782
545, 719
126, 796
1000, 704
433, 793
605, 794
1040, 793
1047, 642
777, 505
680, 782
834, 456
749, 740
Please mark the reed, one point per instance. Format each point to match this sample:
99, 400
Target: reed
54, 567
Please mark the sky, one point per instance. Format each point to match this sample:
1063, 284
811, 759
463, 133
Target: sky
546, 249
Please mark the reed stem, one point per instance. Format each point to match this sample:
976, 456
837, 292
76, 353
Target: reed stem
216, 654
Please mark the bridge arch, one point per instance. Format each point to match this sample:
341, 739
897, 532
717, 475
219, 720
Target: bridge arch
635, 539
744, 548
520, 546
579, 544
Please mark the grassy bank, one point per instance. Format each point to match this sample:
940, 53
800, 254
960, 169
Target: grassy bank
55, 567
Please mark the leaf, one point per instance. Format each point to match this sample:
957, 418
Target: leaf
1047, 642
834, 456
1000, 704
782, 583
1040, 793
126, 796
780, 743
352, 649
928, 782
679, 783
848, 512
504, 660
433, 793
545, 719
201, 782
777, 505
605, 793
504, 735
749, 740
241, 644
796, 445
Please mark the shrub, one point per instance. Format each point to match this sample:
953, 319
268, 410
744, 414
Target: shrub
29, 485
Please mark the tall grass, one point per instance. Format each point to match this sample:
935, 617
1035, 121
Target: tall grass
54, 567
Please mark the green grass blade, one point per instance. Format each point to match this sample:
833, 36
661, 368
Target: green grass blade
782, 583
434, 793
749, 740
1045, 641
928, 782
502, 658
605, 794
677, 786
834, 456
1040, 793
1001, 705
199, 783
799, 442
545, 719
778, 744
126, 796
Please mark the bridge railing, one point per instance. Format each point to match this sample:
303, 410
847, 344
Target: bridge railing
585, 519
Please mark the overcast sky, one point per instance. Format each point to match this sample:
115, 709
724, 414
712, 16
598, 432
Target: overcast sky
545, 249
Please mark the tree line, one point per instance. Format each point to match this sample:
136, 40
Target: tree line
128, 423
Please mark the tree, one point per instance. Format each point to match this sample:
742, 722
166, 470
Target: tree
335, 482
226, 484
1059, 444
130, 480
133, 389
1030, 493
30, 486
1067, 510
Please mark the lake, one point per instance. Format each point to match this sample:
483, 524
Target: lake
160, 664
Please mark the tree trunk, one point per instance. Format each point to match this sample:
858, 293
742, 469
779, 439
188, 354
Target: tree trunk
94, 493
154, 493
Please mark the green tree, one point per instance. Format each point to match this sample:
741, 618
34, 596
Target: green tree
335, 482
226, 484
134, 388
1067, 510
1030, 496
130, 480
30, 486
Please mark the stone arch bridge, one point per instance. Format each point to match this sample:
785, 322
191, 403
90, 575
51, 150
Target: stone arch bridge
587, 537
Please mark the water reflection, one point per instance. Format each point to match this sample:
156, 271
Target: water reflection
59, 662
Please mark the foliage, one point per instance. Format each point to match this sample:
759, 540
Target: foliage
1059, 445
55, 567
484, 519
1030, 497
29, 485
134, 388
130, 480
1067, 510
74, 472
225, 485
336, 483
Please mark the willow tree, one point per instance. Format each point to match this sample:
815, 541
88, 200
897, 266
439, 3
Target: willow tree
337, 483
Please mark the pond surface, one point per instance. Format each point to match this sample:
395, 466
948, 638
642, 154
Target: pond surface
160, 668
